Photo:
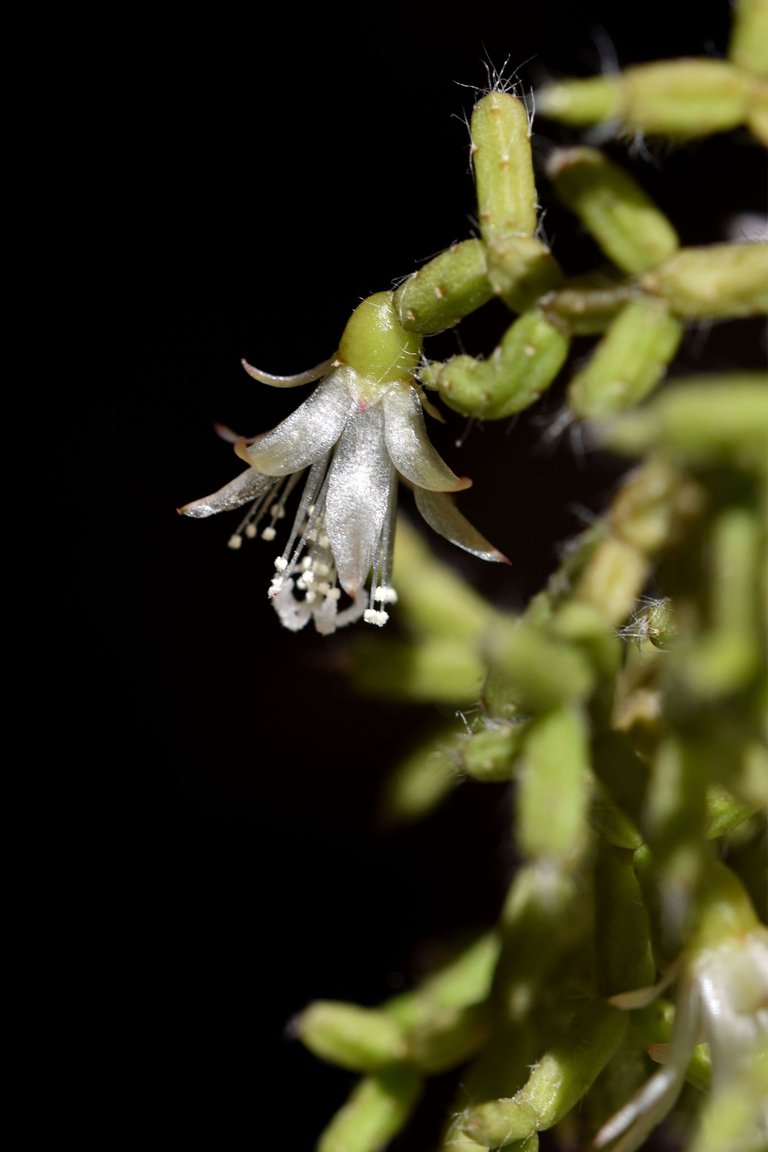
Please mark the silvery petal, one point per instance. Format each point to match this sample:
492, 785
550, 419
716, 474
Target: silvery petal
441, 513
359, 487
410, 447
249, 485
308, 433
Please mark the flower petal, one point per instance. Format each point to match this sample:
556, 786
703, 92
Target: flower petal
308, 433
441, 513
410, 447
651, 1103
288, 381
360, 491
249, 485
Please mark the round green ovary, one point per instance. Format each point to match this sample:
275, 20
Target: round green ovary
375, 344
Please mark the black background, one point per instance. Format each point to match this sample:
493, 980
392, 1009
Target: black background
249, 181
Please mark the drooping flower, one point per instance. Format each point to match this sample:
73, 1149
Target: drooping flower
722, 999
360, 429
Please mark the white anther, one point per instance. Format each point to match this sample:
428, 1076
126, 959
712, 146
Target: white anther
306, 564
268, 534
333, 594
385, 594
250, 531
310, 597
235, 542
372, 616
281, 563
275, 586
323, 541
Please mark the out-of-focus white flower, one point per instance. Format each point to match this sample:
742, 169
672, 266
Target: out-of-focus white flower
722, 999
360, 429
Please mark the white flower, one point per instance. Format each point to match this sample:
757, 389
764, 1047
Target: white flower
723, 1000
360, 429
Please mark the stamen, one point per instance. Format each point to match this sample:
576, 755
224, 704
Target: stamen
373, 616
276, 585
385, 594
235, 541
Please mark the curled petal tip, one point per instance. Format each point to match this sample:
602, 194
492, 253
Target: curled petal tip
241, 449
288, 381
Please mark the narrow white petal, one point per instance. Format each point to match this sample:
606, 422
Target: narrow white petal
409, 445
643, 1112
249, 485
443, 516
650, 1104
308, 433
288, 381
358, 499
640, 997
